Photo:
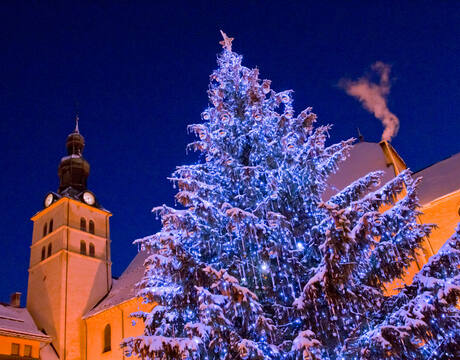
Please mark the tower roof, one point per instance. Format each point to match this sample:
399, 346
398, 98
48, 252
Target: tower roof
75, 141
73, 169
73, 172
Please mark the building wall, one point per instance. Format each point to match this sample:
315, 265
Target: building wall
46, 296
67, 284
57, 212
77, 210
86, 285
122, 326
445, 212
7, 341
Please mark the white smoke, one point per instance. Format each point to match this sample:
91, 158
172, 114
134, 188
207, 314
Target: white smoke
374, 97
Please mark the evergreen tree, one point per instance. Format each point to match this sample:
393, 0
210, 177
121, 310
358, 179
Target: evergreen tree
422, 321
257, 265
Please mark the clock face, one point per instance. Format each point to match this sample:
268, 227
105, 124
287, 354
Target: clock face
48, 200
89, 198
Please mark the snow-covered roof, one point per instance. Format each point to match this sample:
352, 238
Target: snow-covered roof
18, 322
439, 179
364, 158
122, 289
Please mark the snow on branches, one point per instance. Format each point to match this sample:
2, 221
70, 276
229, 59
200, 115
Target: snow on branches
422, 321
256, 265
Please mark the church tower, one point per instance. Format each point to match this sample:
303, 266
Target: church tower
70, 266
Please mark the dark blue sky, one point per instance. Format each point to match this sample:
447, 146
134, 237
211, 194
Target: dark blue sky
139, 70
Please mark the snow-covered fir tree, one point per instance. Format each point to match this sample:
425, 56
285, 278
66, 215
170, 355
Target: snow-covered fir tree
423, 320
256, 264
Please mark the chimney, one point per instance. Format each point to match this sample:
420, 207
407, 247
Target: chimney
16, 299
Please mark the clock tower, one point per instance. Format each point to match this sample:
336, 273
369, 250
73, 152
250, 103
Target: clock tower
70, 266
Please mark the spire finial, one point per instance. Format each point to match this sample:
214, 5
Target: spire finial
227, 42
77, 117
76, 124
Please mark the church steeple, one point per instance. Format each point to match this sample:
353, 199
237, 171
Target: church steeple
70, 266
73, 169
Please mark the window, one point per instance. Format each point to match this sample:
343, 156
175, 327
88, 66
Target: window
43, 253
82, 247
28, 350
14, 349
91, 250
91, 226
44, 230
49, 250
107, 338
83, 224
50, 230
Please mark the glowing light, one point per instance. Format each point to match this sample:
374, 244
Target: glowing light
225, 117
205, 115
285, 98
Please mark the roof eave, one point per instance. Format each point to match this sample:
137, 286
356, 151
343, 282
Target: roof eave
25, 335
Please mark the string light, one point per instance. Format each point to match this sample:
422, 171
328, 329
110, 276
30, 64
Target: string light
268, 259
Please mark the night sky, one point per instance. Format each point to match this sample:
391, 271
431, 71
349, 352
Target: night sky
139, 71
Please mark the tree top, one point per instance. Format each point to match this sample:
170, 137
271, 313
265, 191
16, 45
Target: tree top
227, 42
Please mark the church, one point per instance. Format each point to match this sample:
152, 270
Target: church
77, 310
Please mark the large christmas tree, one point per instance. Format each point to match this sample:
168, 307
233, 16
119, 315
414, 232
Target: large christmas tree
257, 264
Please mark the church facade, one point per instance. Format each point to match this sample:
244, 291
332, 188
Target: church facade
77, 310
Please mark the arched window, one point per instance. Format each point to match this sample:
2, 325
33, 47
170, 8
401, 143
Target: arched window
91, 250
44, 229
91, 226
83, 224
51, 226
49, 250
107, 338
82, 247
43, 252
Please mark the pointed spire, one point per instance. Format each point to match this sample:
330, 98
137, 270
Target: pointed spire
77, 118
75, 141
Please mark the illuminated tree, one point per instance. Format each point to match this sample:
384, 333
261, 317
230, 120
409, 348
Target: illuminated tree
257, 265
422, 321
